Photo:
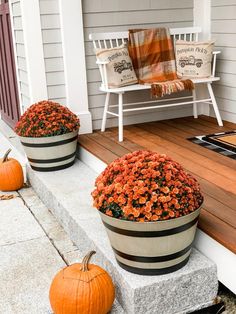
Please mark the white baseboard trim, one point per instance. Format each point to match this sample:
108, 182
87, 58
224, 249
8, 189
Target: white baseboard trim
90, 160
85, 122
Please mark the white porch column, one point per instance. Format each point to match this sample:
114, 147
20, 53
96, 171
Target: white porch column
202, 18
34, 50
74, 61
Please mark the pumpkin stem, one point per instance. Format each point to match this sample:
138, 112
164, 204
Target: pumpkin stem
86, 260
5, 157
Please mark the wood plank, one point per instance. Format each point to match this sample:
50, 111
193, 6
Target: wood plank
188, 159
227, 124
179, 136
129, 145
218, 230
108, 144
204, 126
220, 210
96, 149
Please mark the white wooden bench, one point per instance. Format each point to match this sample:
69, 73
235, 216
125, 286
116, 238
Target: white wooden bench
111, 40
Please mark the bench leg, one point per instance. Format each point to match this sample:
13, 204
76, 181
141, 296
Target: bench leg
214, 103
194, 105
120, 112
104, 118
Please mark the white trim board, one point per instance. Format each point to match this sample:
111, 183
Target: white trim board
71, 17
224, 258
34, 50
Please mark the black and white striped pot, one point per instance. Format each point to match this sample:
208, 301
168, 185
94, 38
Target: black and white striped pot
50, 153
152, 248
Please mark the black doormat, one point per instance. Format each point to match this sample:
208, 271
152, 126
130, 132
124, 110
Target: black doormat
223, 143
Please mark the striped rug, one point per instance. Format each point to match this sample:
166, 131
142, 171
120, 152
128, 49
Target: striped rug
223, 143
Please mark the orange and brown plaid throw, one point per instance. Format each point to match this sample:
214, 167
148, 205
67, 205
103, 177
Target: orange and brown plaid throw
152, 54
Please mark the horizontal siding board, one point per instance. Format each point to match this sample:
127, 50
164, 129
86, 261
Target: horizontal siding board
223, 12
50, 21
19, 36
226, 66
227, 53
20, 50
24, 88
52, 50
226, 104
223, 26
217, 3
139, 5
118, 28
225, 92
226, 40
57, 91
226, 79
16, 9
93, 75
55, 78
51, 36
23, 77
49, 7
131, 17
54, 64
21, 63
25, 100
91, 62
17, 21
61, 101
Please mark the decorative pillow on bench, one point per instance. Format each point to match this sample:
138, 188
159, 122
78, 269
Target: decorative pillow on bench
193, 58
120, 71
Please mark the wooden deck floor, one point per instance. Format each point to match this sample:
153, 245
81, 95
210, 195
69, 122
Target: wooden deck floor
216, 173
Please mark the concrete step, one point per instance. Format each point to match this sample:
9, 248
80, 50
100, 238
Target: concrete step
67, 194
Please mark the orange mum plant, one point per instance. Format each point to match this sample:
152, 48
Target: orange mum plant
146, 186
47, 118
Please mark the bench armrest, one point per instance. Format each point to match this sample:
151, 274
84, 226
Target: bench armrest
214, 53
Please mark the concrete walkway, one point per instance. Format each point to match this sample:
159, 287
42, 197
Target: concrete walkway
33, 248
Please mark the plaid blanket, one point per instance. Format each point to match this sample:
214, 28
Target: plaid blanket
152, 54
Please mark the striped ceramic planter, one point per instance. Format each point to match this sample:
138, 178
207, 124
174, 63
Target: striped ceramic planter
152, 248
50, 153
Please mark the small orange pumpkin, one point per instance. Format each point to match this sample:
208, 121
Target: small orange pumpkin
82, 289
11, 173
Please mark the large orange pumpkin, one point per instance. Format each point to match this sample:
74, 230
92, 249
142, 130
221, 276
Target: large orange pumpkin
11, 173
82, 289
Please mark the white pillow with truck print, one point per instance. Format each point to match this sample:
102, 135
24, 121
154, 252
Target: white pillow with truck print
120, 71
193, 58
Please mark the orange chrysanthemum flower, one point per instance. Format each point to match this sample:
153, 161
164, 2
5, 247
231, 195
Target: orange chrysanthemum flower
146, 186
46, 118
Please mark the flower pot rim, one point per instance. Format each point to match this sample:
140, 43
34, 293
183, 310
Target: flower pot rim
31, 137
153, 222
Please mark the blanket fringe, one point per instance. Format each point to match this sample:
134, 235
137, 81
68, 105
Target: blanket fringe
161, 89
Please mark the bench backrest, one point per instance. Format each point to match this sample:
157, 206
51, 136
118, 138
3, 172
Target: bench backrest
111, 40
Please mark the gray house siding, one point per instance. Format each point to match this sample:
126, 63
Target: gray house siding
224, 32
52, 47
111, 16
21, 66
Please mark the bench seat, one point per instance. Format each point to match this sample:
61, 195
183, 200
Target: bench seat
137, 87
